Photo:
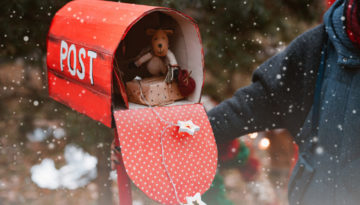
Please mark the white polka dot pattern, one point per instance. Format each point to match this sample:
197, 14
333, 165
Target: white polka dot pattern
191, 160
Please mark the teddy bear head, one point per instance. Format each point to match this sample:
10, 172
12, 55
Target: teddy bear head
159, 40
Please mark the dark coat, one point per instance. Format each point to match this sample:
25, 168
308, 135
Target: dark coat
282, 96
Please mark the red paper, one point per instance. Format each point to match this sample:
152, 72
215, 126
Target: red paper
191, 160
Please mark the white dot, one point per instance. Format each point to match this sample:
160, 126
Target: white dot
319, 150
340, 127
36, 103
26, 38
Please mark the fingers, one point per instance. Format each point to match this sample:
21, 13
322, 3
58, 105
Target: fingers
114, 147
114, 162
115, 151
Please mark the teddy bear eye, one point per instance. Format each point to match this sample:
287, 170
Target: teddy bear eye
155, 39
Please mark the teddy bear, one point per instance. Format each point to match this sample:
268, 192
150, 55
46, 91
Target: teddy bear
159, 59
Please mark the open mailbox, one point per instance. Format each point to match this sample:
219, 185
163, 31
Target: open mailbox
88, 45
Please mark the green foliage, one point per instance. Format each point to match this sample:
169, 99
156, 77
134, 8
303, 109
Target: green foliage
26, 19
216, 195
243, 155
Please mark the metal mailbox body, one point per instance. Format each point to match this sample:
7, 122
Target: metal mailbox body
82, 41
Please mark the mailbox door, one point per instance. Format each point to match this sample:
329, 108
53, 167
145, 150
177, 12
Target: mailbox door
191, 160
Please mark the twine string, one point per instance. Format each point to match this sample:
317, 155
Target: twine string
168, 125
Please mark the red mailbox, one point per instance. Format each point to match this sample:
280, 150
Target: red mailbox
86, 42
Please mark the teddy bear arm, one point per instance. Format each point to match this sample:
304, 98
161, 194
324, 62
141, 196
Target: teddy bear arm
143, 59
156, 66
171, 57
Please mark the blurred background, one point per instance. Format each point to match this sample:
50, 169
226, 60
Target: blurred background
50, 154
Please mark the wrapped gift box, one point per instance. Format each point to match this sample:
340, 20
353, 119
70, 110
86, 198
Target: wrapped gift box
155, 91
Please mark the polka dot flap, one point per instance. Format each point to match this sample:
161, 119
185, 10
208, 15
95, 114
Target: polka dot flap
164, 162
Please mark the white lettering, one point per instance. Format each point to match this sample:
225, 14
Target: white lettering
72, 49
70, 53
82, 53
92, 55
64, 46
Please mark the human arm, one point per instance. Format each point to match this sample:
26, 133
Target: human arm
280, 96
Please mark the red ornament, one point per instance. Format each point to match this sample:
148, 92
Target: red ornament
229, 151
329, 3
250, 170
186, 83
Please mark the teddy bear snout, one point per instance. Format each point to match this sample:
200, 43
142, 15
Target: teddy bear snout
160, 45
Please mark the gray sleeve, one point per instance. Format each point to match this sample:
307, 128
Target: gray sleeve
280, 96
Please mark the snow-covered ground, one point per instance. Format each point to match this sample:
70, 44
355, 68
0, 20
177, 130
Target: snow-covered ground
79, 170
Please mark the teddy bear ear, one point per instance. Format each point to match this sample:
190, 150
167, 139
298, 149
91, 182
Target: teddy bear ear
150, 31
169, 31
